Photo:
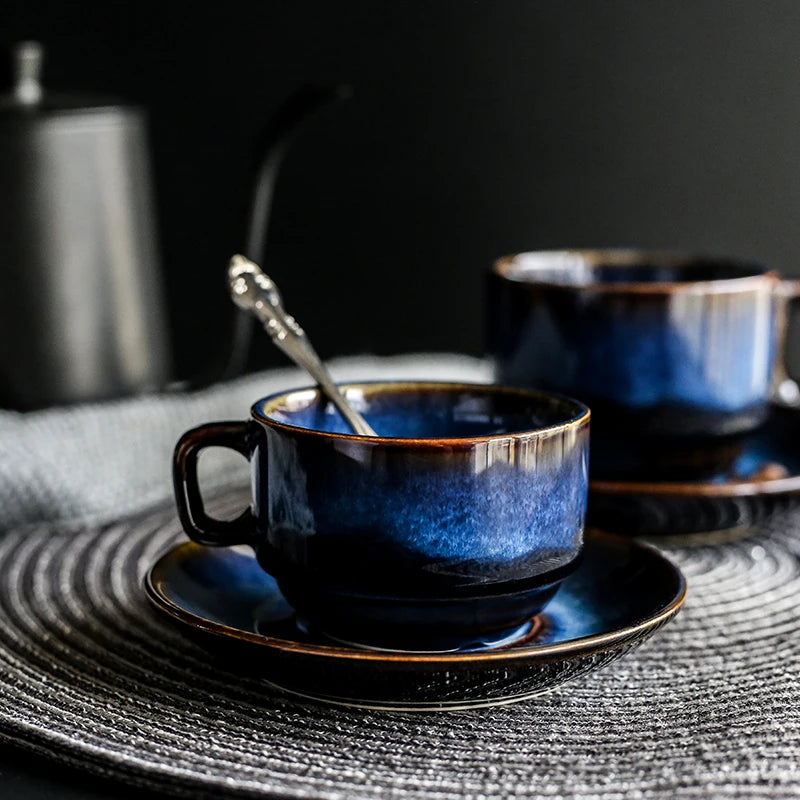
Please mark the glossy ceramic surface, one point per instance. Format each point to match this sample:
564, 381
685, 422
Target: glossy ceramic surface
457, 522
675, 352
764, 479
619, 595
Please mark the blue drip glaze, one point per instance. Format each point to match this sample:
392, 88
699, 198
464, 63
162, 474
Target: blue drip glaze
502, 513
406, 537
645, 359
484, 512
585, 323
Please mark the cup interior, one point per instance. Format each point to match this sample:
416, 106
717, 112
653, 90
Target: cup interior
425, 410
619, 268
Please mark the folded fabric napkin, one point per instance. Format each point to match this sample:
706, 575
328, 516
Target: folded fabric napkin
98, 462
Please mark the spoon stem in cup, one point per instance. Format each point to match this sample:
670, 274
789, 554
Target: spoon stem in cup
255, 292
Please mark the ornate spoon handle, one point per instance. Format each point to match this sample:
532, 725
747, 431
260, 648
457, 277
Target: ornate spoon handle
253, 291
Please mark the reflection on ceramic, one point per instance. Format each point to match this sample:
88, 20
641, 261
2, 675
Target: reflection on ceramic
619, 595
764, 479
673, 354
468, 507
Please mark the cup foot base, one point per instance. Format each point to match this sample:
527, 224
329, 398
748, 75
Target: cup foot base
668, 442
425, 626
497, 640
666, 459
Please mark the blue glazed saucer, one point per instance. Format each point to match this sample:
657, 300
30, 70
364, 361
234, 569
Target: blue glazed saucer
764, 479
619, 595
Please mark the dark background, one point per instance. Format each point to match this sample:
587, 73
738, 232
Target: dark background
477, 127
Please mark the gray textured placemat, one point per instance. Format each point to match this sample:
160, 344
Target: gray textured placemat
709, 707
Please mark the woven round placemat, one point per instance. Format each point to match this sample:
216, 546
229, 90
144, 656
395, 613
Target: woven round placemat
709, 707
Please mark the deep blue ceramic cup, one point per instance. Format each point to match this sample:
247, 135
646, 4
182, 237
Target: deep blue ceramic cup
675, 355
451, 528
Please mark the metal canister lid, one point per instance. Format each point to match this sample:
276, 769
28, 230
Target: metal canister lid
29, 99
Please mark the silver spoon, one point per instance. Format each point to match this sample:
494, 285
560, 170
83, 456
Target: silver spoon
253, 291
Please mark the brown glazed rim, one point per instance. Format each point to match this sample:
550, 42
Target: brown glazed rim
261, 408
573, 647
623, 257
738, 488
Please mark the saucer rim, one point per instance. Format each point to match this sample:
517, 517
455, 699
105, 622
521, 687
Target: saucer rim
417, 707
581, 645
742, 488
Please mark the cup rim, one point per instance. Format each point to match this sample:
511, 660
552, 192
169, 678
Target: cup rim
621, 257
259, 412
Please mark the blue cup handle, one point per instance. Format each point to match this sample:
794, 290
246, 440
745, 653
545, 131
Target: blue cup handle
784, 389
200, 527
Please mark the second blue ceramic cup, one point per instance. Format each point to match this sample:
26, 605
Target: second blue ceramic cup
675, 355
453, 527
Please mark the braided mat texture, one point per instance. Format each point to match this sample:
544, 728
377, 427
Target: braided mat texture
709, 707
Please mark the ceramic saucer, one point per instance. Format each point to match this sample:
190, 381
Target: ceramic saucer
621, 593
764, 479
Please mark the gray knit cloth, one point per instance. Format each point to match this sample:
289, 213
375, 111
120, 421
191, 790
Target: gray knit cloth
102, 461
709, 707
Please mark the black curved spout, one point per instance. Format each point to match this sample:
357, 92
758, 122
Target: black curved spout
271, 151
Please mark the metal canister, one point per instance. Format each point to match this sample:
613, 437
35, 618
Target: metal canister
82, 314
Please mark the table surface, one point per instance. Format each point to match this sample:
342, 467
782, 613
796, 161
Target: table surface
28, 776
